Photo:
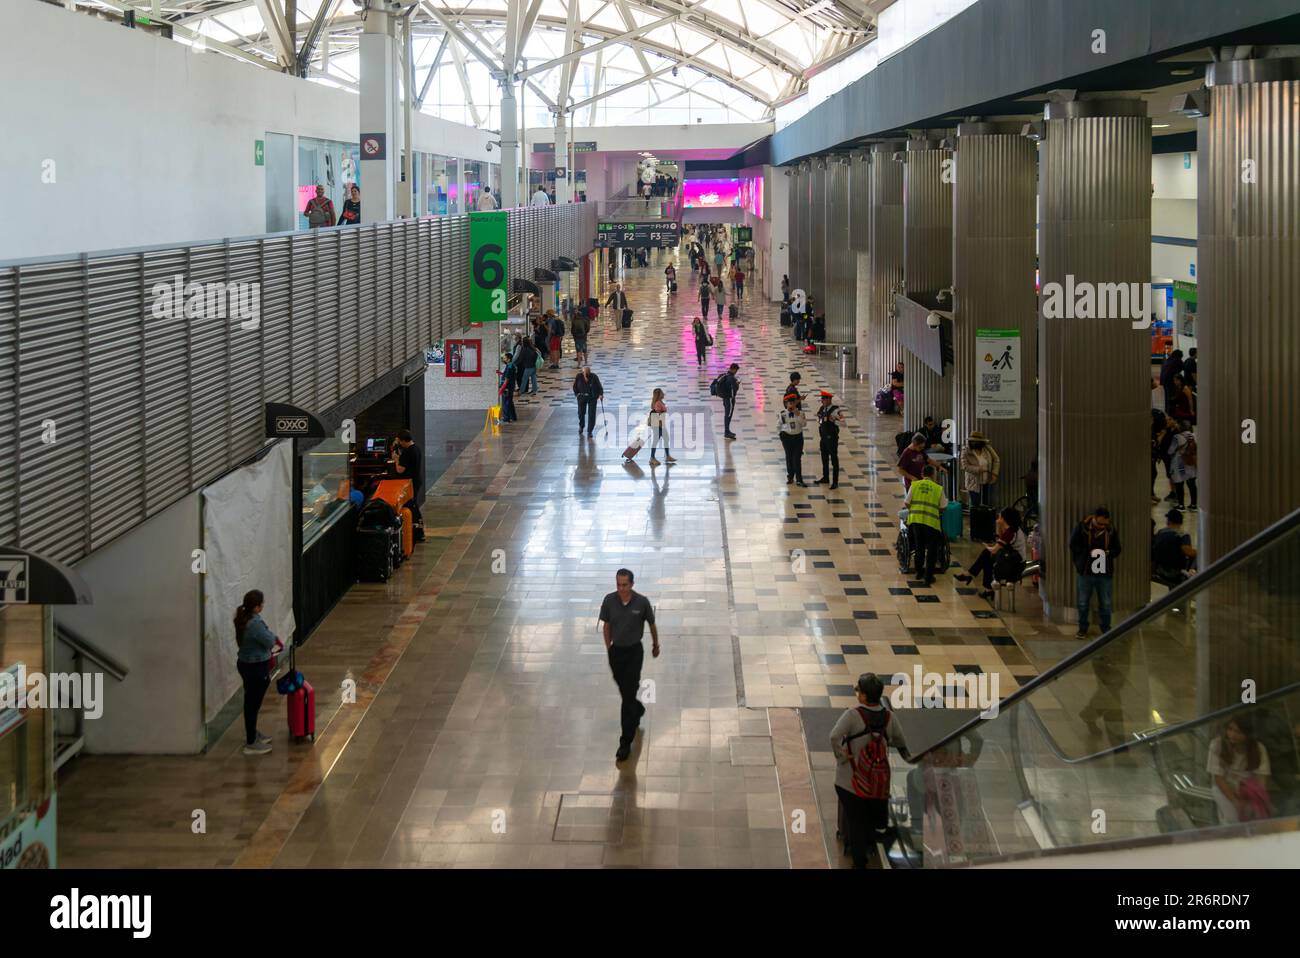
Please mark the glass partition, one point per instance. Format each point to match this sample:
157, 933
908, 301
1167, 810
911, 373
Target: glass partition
437, 179
1188, 718
475, 172
325, 487
328, 163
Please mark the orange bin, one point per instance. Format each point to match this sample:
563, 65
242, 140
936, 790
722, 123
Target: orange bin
397, 493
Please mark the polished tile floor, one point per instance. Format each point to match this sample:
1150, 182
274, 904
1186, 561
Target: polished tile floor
486, 719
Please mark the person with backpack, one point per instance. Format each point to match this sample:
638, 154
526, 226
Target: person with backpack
554, 326
829, 417
1094, 547
860, 741
727, 387
580, 327
706, 292
1182, 464
702, 340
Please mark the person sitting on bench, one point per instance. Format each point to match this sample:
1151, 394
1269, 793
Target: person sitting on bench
1173, 557
1005, 558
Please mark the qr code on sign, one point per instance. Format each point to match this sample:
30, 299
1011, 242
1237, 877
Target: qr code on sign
991, 382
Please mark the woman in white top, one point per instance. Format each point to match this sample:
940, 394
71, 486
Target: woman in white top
980, 465
657, 421
1182, 472
1239, 765
793, 424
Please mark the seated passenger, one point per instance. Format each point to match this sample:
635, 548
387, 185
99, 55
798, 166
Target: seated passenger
1005, 558
1173, 556
1239, 764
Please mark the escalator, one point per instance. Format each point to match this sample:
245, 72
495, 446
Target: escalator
1131, 740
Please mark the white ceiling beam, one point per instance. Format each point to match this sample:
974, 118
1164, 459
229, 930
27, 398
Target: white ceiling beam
570, 39
639, 80
277, 28
609, 41
464, 41
595, 85
545, 97
514, 13
458, 58
433, 69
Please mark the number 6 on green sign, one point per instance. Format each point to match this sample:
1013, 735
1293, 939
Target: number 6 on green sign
488, 243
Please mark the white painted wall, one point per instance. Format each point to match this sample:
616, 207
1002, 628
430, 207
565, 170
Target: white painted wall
468, 392
146, 614
1173, 213
152, 143
726, 138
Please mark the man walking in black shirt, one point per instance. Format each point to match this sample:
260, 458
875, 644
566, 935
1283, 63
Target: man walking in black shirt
624, 615
408, 463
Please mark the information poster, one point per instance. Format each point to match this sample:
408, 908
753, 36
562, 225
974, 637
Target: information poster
997, 366
488, 242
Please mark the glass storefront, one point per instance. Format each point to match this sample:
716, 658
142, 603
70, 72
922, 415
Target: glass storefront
327, 163
475, 171
325, 487
437, 184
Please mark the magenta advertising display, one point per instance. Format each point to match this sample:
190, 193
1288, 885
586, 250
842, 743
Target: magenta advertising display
751, 195
710, 194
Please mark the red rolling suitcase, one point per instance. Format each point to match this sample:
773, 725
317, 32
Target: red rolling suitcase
302, 713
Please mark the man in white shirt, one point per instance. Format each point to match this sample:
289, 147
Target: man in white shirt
486, 201
540, 198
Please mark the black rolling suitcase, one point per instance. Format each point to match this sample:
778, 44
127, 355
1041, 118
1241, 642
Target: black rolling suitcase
672, 287
733, 311
627, 318
379, 542
785, 316
983, 526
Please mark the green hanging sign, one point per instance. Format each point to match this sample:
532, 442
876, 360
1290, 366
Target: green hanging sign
1184, 291
488, 285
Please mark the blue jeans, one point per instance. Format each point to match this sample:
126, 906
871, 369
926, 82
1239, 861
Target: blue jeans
1087, 585
530, 375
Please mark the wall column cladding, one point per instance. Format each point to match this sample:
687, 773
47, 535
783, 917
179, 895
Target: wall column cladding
839, 284
816, 278
886, 260
927, 267
1094, 372
1248, 271
859, 260
993, 280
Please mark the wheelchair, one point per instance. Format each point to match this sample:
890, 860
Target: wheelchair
904, 549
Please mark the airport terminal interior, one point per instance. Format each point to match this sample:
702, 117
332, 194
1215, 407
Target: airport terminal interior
756, 434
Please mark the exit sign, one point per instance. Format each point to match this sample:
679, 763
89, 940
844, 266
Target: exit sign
259, 153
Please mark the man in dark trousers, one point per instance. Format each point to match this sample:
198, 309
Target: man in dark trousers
1094, 546
408, 463
623, 616
587, 387
729, 389
618, 300
829, 417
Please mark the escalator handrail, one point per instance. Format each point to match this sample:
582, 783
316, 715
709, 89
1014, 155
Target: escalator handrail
1164, 732
1225, 564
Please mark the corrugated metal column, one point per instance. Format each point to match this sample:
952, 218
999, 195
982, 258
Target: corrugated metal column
1095, 373
859, 258
993, 279
795, 212
886, 241
839, 286
927, 267
816, 287
1248, 221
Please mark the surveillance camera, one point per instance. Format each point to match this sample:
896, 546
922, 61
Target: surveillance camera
674, 71
933, 320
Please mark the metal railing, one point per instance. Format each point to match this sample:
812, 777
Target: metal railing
125, 383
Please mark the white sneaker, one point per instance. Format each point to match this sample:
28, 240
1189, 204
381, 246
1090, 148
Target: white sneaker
262, 739
257, 748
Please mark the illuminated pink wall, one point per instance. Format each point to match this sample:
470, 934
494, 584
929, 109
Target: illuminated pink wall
710, 194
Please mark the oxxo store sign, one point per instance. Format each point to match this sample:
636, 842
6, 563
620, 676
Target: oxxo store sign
289, 422
488, 245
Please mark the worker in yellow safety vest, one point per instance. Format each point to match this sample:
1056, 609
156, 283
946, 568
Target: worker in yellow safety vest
925, 504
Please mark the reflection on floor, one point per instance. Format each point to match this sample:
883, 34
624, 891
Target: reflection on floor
486, 719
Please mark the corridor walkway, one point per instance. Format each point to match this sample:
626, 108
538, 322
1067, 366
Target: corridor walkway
486, 722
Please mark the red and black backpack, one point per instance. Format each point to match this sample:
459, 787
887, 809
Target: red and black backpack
871, 762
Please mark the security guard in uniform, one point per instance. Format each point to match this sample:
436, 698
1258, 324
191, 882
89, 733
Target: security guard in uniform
829, 418
925, 504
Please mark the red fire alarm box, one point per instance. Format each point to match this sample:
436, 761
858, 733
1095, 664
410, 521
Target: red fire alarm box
464, 357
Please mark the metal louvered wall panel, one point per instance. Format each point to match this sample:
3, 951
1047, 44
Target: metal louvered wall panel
993, 280
148, 404
927, 268
886, 259
816, 287
839, 284
1094, 373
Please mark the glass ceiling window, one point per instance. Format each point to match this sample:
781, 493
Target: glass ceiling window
630, 61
